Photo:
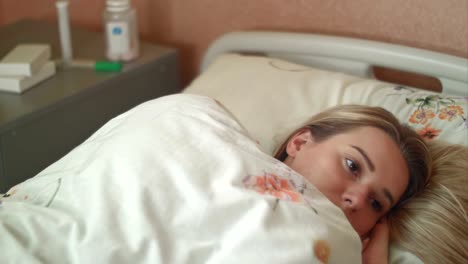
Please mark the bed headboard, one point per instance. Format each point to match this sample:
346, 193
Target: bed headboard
349, 55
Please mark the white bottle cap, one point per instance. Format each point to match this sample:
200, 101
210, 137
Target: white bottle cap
117, 5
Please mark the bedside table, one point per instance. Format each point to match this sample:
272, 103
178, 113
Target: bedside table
44, 123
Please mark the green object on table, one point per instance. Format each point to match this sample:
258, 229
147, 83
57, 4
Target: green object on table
107, 66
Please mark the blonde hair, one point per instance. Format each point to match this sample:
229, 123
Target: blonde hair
343, 118
434, 224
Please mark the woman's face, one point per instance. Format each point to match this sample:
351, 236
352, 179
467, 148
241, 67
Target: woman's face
361, 171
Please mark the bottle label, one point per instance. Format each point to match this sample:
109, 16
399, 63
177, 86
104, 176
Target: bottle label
118, 37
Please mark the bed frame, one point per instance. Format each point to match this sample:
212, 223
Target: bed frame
349, 55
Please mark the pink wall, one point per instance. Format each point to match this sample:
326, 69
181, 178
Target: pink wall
190, 25
16, 9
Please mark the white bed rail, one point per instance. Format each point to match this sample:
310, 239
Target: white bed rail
350, 55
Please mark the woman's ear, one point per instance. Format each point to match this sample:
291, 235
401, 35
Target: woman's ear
297, 141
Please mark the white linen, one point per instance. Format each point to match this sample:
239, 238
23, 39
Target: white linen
174, 180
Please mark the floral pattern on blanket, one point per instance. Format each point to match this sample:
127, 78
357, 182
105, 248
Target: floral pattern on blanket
44, 195
322, 250
433, 113
285, 188
274, 185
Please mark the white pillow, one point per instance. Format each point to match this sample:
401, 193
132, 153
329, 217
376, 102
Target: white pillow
271, 97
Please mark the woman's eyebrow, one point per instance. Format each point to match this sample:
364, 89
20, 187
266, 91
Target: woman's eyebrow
366, 158
388, 195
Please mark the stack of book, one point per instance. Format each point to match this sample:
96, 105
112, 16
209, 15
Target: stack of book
25, 66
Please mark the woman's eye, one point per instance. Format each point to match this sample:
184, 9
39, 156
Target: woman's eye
352, 166
376, 205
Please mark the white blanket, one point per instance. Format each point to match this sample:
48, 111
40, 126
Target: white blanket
174, 180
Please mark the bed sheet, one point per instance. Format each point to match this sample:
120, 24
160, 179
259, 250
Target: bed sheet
174, 180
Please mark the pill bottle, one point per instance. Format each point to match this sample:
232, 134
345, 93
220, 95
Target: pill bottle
121, 30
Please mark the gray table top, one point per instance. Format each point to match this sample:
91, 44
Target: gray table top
67, 83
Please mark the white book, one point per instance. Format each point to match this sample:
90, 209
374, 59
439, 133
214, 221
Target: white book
19, 84
25, 60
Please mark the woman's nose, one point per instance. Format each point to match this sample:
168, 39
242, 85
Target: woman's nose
355, 197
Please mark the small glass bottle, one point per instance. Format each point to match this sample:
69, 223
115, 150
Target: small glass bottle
121, 30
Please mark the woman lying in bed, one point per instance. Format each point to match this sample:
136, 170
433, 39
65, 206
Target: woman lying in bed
178, 180
432, 224
365, 162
